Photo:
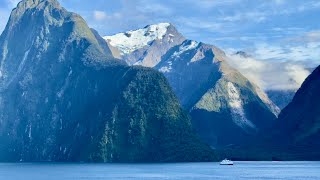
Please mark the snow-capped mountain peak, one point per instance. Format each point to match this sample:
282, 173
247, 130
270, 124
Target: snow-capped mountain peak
132, 40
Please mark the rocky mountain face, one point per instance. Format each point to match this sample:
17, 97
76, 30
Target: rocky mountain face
64, 97
226, 108
146, 46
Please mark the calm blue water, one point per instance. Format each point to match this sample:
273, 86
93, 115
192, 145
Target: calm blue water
241, 170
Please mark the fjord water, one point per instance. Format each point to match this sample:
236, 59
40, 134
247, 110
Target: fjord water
241, 170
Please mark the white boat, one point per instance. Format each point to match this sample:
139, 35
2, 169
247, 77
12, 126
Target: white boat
226, 162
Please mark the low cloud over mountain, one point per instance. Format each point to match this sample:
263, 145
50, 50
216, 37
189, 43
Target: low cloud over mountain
270, 76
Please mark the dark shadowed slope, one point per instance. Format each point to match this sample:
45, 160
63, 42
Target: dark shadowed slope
300, 120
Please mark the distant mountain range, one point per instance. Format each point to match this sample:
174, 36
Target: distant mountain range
226, 108
65, 97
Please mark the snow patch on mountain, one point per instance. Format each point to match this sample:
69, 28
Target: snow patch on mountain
166, 69
65, 85
23, 61
183, 48
189, 45
236, 106
30, 131
132, 40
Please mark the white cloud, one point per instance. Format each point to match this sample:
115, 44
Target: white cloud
154, 8
266, 51
313, 36
212, 3
300, 52
246, 16
99, 15
270, 75
297, 73
264, 11
308, 6
203, 24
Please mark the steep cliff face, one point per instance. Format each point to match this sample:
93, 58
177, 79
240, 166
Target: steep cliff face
64, 97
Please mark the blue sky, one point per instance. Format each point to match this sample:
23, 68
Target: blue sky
277, 30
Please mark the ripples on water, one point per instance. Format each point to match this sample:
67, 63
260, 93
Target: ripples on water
241, 170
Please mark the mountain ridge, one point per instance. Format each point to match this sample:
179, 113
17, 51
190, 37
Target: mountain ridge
146, 46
